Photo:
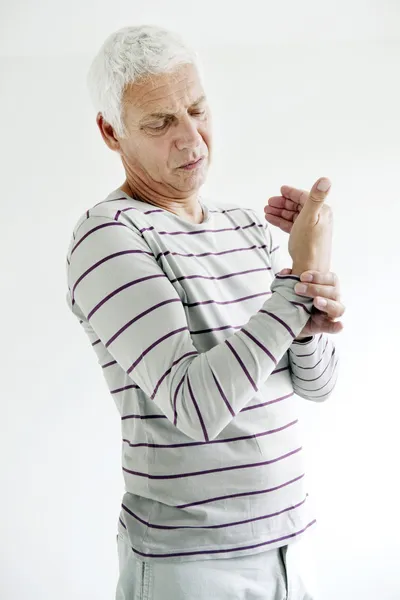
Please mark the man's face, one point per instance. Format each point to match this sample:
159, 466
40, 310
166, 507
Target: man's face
169, 124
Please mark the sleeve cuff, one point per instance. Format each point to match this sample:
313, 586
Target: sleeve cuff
306, 340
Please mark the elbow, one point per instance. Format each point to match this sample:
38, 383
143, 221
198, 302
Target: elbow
195, 419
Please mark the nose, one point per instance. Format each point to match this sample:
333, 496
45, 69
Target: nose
187, 135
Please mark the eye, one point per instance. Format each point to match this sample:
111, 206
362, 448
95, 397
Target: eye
158, 128
152, 127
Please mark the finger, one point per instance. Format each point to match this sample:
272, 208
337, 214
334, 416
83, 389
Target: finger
313, 290
295, 194
321, 324
317, 197
285, 272
280, 212
328, 278
281, 202
279, 222
333, 308
320, 318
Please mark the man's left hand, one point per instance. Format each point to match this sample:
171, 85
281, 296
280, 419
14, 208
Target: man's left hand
325, 287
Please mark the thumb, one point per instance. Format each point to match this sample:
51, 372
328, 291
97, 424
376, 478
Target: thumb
317, 195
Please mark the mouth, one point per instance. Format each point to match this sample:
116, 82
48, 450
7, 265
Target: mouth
192, 165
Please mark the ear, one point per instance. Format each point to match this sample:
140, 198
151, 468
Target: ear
108, 133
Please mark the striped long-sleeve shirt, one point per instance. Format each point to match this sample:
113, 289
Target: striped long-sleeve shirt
194, 332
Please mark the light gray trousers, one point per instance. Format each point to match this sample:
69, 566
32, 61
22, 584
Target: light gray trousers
279, 574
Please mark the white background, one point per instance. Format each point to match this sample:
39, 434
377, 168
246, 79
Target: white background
299, 90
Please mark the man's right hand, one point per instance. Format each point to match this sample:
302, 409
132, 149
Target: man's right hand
310, 240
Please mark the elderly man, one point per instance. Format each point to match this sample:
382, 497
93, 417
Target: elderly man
203, 341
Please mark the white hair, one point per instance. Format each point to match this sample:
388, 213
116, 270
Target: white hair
130, 54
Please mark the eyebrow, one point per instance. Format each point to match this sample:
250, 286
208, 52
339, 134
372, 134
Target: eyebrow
160, 115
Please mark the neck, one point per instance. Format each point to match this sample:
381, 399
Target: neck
187, 208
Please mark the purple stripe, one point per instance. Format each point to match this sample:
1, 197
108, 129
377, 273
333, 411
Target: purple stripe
96, 342
226, 210
302, 306
200, 230
241, 494
126, 387
175, 397
311, 353
197, 409
122, 523
264, 348
113, 362
92, 231
169, 370
318, 389
326, 394
239, 548
267, 312
225, 399
267, 403
214, 253
141, 279
243, 209
280, 370
143, 417
146, 212
224, 441
320, 375
241, 364
244, 298
120, 289
207, 527
221, 276
295, 277
200, 331
159, 382
313, 367
105, 259
181, 382
139, 316
123, 252
161, 339
219, 470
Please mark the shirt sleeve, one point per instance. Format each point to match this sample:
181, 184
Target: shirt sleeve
314, 367
314, 361
138, 316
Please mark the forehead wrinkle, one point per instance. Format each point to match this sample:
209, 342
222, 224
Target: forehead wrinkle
160, 99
